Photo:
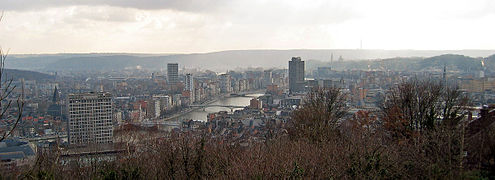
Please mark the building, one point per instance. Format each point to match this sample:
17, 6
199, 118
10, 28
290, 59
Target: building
296, 75
15, 153
225, 83
326, 83
189, 81
322, 72
255, 104
477, 85
173, 73
273, 90
90, 118
267, 78
165, 101
156, 108
176, 100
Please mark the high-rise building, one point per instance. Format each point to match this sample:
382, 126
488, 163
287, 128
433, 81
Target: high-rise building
189, 81
156, 108
267, 78
225, 83
173, 73
90, 118
296, 75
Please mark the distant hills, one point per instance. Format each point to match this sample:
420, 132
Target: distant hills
226, 60
453, 62
26, 75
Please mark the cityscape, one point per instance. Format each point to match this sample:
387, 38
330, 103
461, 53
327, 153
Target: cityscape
264, 112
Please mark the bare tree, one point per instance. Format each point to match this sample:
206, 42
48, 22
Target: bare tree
429, 115
7, 103
320, 115
424, 104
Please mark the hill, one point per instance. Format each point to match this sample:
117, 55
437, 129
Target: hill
218, 61
26, 75
453, 62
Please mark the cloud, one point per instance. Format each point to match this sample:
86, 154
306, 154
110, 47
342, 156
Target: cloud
181, 5
38, 26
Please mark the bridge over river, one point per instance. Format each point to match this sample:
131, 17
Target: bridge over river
231, 107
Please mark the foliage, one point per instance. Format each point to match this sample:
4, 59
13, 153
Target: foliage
361, 147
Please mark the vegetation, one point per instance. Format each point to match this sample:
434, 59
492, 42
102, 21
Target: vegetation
8, 106
417, 134
453, 62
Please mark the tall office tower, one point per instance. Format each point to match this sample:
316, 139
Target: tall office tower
296, 75
267, 78
90, 118
173, 73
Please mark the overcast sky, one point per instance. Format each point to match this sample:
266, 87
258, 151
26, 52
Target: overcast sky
184, 26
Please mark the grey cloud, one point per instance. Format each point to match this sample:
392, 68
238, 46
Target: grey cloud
268, 12
116, 15
180, 5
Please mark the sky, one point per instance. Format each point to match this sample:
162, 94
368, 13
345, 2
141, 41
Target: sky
195, 26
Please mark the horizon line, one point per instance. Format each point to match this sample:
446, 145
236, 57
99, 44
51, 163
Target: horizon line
208, 52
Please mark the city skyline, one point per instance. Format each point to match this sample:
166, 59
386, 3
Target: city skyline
247, 89
208, 26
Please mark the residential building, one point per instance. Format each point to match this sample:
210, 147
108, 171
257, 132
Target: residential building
189, 81
90, 118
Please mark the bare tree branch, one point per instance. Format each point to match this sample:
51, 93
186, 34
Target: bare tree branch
6, 89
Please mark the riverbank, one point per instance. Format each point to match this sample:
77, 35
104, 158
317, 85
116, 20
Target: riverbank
188, 110
220, 97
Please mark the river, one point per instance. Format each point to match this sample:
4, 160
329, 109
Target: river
201, 115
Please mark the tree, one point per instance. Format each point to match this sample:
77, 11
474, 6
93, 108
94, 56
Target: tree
420, 105
320, 115
427, 118
7, 103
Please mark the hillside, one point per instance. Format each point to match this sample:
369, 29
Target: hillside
218, 61
26, 75
453, 62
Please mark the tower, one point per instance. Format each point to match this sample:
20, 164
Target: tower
225, 83
189, 81
267, 78
90, 118
55, 95
296, 75
173, 73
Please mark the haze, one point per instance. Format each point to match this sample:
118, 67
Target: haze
184, 26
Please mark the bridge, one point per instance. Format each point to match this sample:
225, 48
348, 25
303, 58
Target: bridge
152, 123
46, 138
231, 107
241, 95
